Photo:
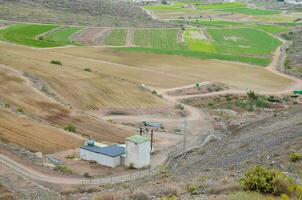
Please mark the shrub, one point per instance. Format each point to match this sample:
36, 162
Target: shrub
56, 62
87, 70
264, 180
169, 198
20, 110
179, 106
252, 95
262, 102
154, 92
70, 156
86, 175
192, 189
70, 128
63, 168
295, 157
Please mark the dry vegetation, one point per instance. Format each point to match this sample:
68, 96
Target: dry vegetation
31, 135
89, 13
169, 71
19, 97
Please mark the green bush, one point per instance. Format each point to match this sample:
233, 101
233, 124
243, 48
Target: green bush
192, 189
263, 180
70, 128
295, 157
87, 70
262, 102
56, 62
252, 95
20, 110
63, 168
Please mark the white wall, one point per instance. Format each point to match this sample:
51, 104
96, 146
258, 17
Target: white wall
138, 155
100, 158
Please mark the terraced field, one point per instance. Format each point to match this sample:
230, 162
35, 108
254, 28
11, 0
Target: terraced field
117, 37
26, 34
62, 36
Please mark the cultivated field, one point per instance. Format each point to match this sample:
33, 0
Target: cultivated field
62, 36
169, 71
31, 135
243, 41
92, 36
117, 37
27, 35
157, 38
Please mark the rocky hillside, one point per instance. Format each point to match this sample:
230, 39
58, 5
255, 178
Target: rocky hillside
78, 12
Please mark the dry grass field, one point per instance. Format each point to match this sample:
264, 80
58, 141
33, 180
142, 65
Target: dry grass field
18, 95
32, 135
170, 71
84, 90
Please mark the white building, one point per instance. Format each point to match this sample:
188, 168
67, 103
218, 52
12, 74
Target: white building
109, 156
138, 150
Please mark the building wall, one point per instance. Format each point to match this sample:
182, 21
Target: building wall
100, 158
138, 155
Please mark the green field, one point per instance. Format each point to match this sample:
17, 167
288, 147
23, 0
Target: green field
200, 55
243, 41
247, 45
26, 34
221, 6
62, 36
195, 44
117, 37
249, 11
271, 28
213, 23
157, 38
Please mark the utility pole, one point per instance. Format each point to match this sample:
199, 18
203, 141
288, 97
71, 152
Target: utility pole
185, 133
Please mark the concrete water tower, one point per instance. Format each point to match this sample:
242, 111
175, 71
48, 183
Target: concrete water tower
138, 150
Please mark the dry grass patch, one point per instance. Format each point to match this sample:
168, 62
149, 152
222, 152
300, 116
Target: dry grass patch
170, 71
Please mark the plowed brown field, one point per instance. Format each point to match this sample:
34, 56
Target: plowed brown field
34, 136
92, 36
17, 93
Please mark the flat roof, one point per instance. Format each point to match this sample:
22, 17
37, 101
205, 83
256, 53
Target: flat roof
111, 151
153, 124
138, 139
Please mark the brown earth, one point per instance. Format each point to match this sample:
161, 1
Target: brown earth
31, 135
18, 96
165, 71
92, 36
